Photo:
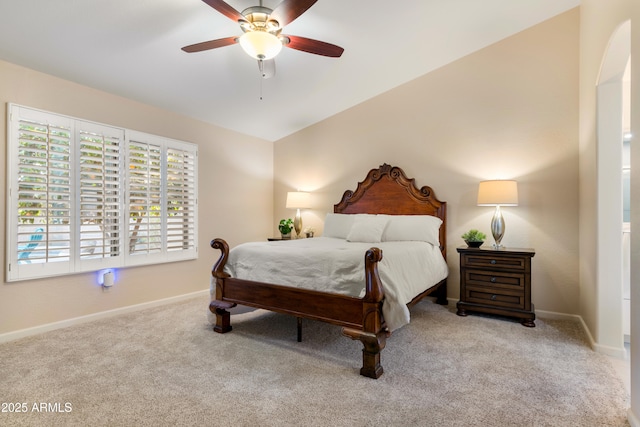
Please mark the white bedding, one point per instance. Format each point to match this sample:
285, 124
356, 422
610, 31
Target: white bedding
334, 265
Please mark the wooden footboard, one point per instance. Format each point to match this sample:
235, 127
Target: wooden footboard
360, 318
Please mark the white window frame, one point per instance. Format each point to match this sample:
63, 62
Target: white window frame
102, 191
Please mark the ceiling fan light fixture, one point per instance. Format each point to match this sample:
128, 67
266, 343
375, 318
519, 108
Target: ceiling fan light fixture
260, 44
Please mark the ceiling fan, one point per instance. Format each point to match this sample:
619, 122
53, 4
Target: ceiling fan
263, 38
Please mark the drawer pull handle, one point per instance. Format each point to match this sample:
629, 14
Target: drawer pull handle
494, 297
493, 261
493, 280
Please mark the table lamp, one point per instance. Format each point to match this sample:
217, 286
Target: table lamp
298, 200
498, 193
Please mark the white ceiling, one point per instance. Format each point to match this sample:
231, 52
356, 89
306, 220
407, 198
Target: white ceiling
132, 48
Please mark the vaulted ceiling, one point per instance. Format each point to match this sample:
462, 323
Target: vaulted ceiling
132, 48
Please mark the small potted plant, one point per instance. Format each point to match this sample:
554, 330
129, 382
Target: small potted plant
285, 227
309, 232
474, 238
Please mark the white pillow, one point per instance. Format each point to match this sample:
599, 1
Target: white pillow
422, 228
367, 228
337, 225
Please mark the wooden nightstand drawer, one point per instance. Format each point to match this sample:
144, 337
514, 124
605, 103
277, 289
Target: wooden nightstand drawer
493, 262
495, 279
494, 297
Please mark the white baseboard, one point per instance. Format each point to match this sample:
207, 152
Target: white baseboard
22, 333
618, 353
558, 316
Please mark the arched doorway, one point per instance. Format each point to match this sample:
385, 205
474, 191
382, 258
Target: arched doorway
610, 87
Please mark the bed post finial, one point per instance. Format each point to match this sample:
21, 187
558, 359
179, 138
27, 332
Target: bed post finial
374, 291
218, 267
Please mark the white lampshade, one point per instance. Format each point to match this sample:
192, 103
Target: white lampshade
498, 193
298, 200
260, 44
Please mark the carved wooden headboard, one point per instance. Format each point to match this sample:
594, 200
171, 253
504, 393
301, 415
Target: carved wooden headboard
387, 190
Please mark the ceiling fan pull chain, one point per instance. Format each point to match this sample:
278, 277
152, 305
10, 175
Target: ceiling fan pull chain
261, 67
261, 70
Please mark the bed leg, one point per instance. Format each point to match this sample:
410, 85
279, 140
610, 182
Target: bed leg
223, 317
373, 344
371, 366
441, 293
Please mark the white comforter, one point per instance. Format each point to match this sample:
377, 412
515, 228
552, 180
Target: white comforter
334, 265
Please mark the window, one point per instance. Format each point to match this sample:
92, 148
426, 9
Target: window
84, 196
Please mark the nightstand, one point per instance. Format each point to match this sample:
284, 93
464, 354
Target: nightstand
496, 281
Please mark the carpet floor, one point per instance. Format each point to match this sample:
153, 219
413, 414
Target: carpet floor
165, 366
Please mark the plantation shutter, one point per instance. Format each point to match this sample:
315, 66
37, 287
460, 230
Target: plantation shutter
40, 176
162, 176
83, 196
181, 201
145, 198
100, 195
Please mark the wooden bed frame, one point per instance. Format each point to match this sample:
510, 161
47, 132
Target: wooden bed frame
385, 190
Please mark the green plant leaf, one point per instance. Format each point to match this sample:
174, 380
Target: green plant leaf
474, 235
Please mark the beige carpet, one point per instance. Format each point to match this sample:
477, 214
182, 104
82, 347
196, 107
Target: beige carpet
165, 366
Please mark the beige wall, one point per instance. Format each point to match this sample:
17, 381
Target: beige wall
235, 202
507, 111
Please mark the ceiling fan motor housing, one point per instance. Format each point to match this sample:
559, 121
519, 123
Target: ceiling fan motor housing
257, 18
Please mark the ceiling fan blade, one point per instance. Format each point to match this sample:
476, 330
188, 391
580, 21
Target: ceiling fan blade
267, 68
225, 9
314, 46
287, 11
211, 44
